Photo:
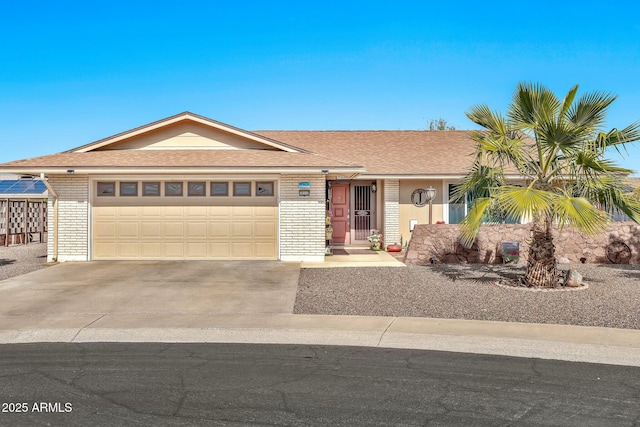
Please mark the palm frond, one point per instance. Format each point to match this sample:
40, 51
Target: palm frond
524, 201
471, 223
479, 182
568, 101
591, 110
579, 213
533, 106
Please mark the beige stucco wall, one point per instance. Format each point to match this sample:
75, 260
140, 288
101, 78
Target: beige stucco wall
185, 136
73, 218
302, 219
408, 211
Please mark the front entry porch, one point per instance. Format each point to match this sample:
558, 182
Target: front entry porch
351, 206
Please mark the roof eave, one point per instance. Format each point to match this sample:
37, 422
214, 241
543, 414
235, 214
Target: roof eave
458, 175
182, 170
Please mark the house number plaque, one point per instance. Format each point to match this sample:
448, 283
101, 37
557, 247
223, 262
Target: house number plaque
419, 197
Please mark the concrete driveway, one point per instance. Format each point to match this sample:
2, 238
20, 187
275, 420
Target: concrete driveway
153, 288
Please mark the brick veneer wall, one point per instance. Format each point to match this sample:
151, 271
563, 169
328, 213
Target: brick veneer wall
391, 211
442, 241
73, 217
302, 224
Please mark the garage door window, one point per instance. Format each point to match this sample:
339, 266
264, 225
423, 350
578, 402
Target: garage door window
196, 189
264, 188
242, 189
128, 189
183, 189
151, 189
173, 189
107, 189
220, 189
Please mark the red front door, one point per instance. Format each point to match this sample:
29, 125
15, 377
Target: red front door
340, 218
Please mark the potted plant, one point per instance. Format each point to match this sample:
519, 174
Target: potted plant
329, 232
376, 239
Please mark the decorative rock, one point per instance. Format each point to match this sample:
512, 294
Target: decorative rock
573, 279
564, 260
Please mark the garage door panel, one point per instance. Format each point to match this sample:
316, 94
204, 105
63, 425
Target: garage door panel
222, 212
241, 250
173, 249
104, 230
128, 250
196, 249
173, 212
266, 250
151, 230
197, 230
220, 249
264, 229
265, 212
173, 229
104, 250
152, 213
219, 230
240, 229
128, 211
196, 211
107, 212
185, 232
242, 211
151, 250
128, 230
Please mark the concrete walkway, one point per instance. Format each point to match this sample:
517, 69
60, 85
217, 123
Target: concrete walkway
373, 259
252, 303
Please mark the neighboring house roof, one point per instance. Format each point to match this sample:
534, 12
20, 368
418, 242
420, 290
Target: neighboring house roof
391, 152
22, 188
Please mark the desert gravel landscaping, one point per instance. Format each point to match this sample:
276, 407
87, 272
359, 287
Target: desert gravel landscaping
22, 259
469, 291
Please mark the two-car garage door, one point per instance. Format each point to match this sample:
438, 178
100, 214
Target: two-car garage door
183, 227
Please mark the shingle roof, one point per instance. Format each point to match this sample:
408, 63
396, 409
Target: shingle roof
401, 152
176, 159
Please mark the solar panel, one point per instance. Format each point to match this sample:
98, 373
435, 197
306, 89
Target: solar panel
21, 186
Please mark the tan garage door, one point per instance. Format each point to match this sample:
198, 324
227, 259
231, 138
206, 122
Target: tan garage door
185, 232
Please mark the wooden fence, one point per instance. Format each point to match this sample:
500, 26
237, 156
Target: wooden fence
23, 221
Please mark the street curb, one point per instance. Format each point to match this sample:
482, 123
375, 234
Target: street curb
544, 341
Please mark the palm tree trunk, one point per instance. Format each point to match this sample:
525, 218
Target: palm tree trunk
542, 270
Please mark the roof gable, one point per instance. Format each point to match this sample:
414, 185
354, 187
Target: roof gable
186, 131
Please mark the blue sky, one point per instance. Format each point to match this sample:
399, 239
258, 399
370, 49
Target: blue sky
72, 72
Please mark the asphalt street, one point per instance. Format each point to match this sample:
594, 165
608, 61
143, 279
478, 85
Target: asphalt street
104, 384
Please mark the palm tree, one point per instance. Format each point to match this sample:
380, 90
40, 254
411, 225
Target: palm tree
545, 161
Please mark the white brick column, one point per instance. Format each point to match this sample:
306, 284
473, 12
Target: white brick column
391, 211
73, 218
302, 228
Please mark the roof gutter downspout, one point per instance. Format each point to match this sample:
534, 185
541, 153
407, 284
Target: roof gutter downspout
55, 216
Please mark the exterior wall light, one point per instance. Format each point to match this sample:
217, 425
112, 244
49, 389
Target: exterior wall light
374, 187
430, 194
